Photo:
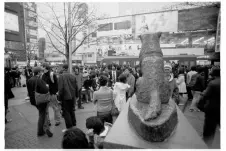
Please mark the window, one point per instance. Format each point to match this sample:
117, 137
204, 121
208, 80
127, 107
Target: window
105, 27
122, 25
90, 55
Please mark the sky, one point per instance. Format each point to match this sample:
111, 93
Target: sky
115, 8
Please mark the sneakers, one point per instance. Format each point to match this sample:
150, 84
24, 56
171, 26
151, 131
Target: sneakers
50, 134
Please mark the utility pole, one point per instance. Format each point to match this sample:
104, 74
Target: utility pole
69, 36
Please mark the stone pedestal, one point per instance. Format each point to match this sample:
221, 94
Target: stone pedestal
156, 130
123, 136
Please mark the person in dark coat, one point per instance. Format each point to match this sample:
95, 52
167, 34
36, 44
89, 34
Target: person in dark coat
68, 92
35, 83
51, 79
79, 79
212, 107
7, 91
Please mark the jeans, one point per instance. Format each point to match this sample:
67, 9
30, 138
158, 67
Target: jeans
42, 119
86, 93
195, 100
105, 117
68, 113
56, 108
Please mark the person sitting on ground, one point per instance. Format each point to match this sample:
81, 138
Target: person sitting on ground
74, 138
97, 131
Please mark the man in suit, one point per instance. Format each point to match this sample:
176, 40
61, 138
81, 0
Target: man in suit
113, 75
130, 81
68, 91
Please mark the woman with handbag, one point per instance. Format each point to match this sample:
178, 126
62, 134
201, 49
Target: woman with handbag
39, 97
103, 99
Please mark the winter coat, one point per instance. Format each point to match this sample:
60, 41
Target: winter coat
41, 88
67, 87
120, 94
51, 79
181, 84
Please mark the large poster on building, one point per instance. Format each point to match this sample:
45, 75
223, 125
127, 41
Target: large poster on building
11, 22
154, 22
198, 19
115, 26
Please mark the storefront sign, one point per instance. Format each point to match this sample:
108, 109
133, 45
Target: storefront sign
115, 26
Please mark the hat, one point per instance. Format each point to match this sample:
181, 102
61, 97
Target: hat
37, 69
167, 66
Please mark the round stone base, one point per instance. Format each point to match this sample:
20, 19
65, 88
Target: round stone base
156, 130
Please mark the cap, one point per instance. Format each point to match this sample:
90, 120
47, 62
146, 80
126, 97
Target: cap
37, 69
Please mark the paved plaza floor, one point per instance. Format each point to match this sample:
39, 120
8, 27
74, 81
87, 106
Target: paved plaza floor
21, 133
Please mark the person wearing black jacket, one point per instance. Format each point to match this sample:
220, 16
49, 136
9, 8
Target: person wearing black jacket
212, 96
7, 91
51, 79
36, 84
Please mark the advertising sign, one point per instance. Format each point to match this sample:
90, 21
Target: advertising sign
155, 22
115, 26
11, 22
198, 19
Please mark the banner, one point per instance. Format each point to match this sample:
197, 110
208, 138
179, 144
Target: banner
115, 26
155, 22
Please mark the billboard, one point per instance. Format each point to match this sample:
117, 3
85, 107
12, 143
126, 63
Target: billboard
115, 26
164, 22
198, 19
11, 22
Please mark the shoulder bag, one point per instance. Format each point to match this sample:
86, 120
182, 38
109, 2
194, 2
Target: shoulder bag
41, 98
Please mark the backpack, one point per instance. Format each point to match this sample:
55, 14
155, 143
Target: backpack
193, 80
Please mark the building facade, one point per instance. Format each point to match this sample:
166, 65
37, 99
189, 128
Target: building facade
31, 29
14, 34
41, 48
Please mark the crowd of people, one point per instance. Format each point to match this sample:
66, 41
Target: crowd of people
110, 87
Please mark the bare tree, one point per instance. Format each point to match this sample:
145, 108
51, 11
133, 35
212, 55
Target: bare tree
56, 26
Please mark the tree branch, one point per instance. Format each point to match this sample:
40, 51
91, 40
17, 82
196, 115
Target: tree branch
61, 28
52, 41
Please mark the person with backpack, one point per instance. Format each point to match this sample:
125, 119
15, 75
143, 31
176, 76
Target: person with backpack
51, 80
197, 85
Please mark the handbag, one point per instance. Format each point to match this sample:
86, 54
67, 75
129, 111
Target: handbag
114, 109
41, 98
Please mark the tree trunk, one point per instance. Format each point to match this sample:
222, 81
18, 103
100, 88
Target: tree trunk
67, 52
